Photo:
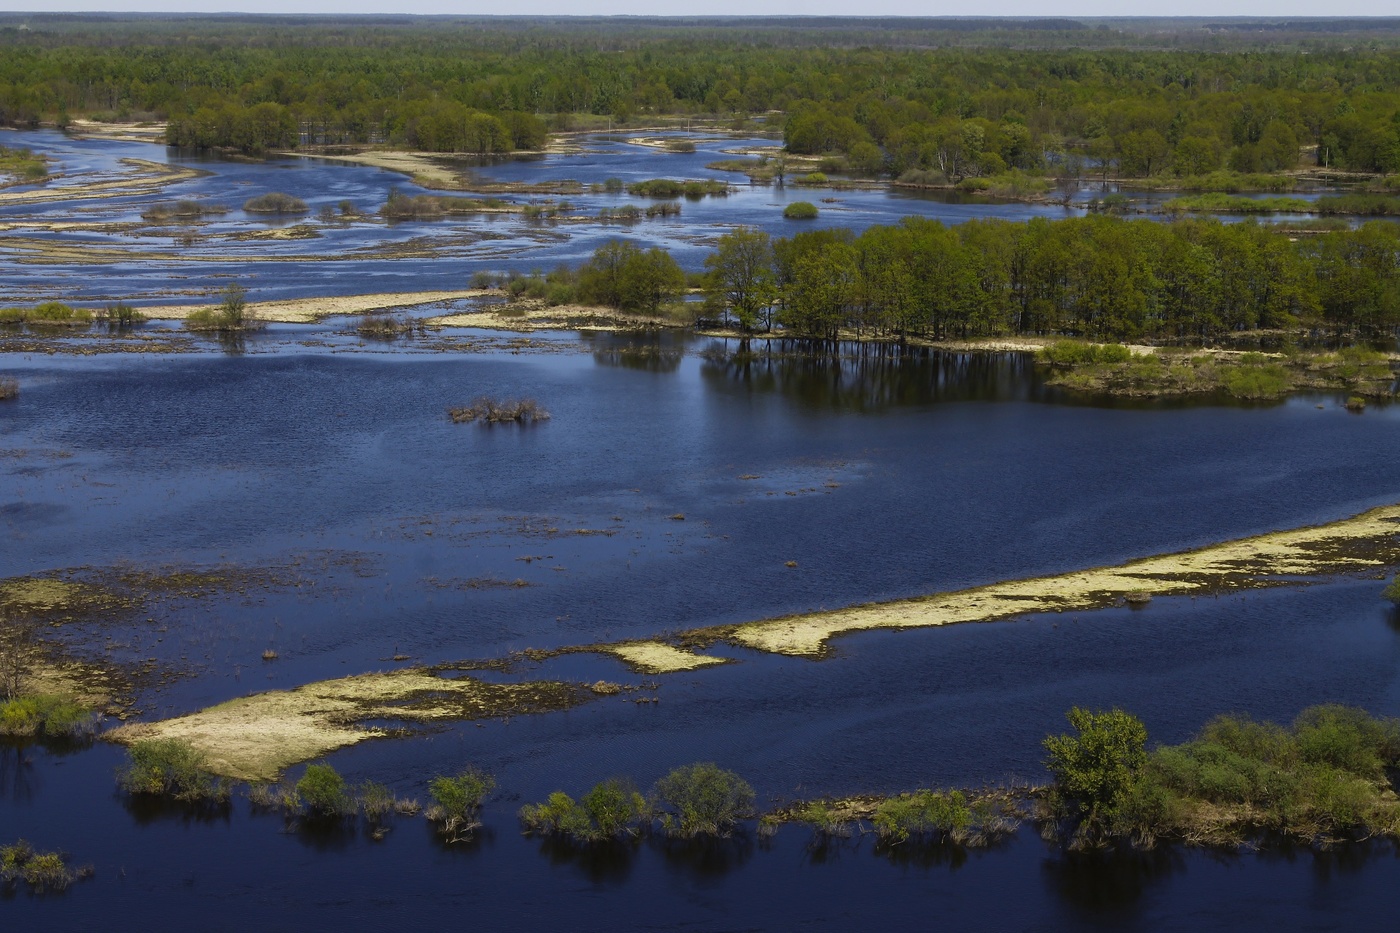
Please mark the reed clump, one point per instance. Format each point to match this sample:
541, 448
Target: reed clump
499, 411
611, 811
45, 717
457, 802
275, 202
171, 768
383, 326
42, 871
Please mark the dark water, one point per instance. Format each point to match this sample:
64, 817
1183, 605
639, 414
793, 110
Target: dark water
882, 473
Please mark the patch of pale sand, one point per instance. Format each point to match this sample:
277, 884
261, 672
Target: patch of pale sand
1366, 542
527, 317
294, 232
125, 132
254, 738
656, 657
146, 176
307, 310
421, 167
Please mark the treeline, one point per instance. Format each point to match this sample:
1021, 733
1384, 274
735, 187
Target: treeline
1099, 277
877, 108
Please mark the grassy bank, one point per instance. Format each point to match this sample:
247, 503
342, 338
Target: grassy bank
1117, 370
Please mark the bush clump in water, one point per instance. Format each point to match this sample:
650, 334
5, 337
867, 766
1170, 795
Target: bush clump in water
801, 210
49, 717
9, 388
703, 800
184, 209
275, 202
171, 768
42, 871
611, 810
497, 411
230, 314
322, 790
457, 802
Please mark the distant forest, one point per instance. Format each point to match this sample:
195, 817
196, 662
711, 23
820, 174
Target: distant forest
958, 97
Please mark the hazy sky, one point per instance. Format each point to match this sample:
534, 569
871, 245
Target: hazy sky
742, 7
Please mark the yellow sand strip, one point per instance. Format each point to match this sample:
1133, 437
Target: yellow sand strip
657, 657
306, 310
1365, 542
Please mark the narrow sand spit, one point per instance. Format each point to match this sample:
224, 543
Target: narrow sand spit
153, 132
528, 316
254, 738
1366, 542
657, 657
422, 168
146, 176
307, 310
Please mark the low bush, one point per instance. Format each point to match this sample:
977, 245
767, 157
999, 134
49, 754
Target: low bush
497, 411
1255, 380
1069, 353
185, 209
611, 810
230, 314
703, 800
42, 871
801, 210
322, 790
173, 768
44, 717
275, 202
383, 326
924, 815
670, 188
457, 802
120, 315
9, 388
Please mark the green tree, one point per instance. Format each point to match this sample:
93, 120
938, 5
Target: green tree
1098, 766
741, 277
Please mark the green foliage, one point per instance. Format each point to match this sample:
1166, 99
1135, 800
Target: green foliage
924, 814
1324, 777
42, 871
1098, 766
170, 767
322, 789
275, 202
622, 275
44, 716
800, 210
1392, 590
458, 801
670, 188
703, 799
230, 314
1071, 353
1255, 381
49, 314
741, 276
611, 810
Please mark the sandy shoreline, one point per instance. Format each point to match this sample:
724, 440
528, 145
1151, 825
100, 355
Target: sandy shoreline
309, 310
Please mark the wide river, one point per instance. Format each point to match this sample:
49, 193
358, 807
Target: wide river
387, 531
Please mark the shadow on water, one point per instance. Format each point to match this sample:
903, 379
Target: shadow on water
148, 809
1099, 882
868, 377
657, 352
705, 858
20, 781
608, 862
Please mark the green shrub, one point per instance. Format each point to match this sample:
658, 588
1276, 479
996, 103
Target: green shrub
458, 801
703, 799
47, 716
170, 767
322, 789
611, 810
1071, 353
801, 210
376, 800
1097, 766
230, 314
1253, 381
42, 871
928, 814
275, 202
1392, 590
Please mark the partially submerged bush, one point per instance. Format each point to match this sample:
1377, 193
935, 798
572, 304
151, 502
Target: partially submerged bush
184, 209
703, 800
173, 768
42, 871
9, 388
670, 188
120, 315
924, 814
230, 314
275, 202
611, 810
457, 801
496, 411
322, 789
801, 210
383, 326
1078, 353
1392, 590
45, 717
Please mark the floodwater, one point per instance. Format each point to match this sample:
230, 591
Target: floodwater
881, 472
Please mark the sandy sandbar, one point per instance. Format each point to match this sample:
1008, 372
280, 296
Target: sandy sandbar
308, 310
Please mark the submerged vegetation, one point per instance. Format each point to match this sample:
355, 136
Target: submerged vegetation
457, 802
41, 871
498, 411
229, 315
171, 768
44, 717
402, 206
47, 314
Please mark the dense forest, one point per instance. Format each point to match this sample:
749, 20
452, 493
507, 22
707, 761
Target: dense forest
956, 98
1099, 277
